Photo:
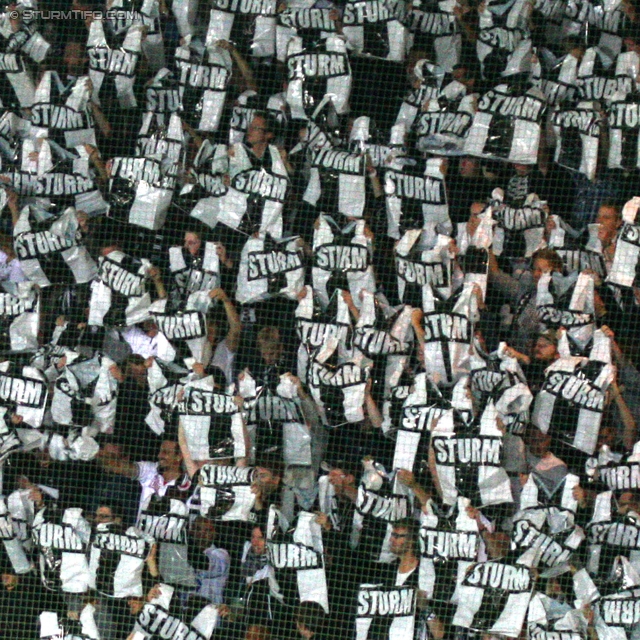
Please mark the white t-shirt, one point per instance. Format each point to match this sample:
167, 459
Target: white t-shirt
223, 358
152, 483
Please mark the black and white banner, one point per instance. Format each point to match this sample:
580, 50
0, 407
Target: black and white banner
337, 181
296, 555
270, 268
386, 613
312, 24
85, 393
204, 73
116, 560
257, 192
624, 133
578, 131
341, 259
507, 125
119, 293
24, 391
569, 406
62, 114
225, 492
375, 28
61, 541
212, 422
249, 23
318, 72
19, 317
469, 458
494, 597
114, 65
164, 618
422, 266
416, 197
624, 269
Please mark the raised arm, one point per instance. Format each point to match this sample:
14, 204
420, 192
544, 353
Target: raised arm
235, 326
111, 460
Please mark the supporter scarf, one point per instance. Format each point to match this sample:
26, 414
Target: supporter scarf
624, 269
164, 387
52, 627
198, 274
270, 268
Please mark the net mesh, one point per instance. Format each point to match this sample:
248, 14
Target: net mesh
319, 320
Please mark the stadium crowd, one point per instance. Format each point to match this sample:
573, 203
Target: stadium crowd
320, 320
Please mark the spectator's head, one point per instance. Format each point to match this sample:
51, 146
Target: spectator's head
404, 537
469, 167
108, 513
150, 327
9, 581
475, 211
257, 632
537, 443
545, 261
270, 345
269, 474
259, 132
522, 170
629, 501
169, 456
310, 618
258, 542
75, 58
610, 220
136, 368
192, 242
545, 349
202, 532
